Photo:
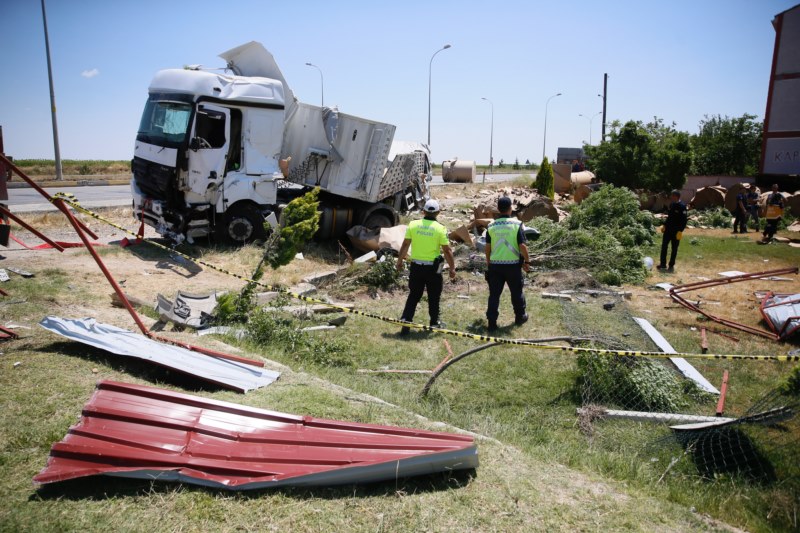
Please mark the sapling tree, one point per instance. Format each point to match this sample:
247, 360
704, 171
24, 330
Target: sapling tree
298, 223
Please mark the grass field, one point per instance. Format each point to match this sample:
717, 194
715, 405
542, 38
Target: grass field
539, 470
46, 168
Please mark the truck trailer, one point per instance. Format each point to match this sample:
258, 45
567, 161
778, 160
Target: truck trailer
218, 154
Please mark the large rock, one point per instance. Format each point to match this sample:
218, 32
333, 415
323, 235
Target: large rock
793, 203
525, 205
539, 207
709, 197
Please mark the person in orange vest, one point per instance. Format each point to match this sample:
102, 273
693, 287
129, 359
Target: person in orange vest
428, 240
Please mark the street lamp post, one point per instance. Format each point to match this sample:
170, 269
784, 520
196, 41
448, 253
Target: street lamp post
491, 138
591, 120
544, 143
430, 66
321, 81
56, 148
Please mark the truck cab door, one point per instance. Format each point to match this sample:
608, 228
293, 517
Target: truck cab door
208, 149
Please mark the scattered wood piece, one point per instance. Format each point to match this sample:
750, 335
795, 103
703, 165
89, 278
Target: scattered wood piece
315, 308
303, 289
556, 296
703, 340
599, 292
319, 278
318, 328
20, 272
646, 416
392, 371
368, 257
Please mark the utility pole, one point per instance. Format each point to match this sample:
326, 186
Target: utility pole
56, 149
605, 97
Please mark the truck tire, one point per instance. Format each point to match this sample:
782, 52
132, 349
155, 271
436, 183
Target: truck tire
243, 223
378, 220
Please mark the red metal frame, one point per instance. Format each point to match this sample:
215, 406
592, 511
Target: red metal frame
7, 335
82, 230
126, 303
676, 292
30, 228
723, 390
41, 191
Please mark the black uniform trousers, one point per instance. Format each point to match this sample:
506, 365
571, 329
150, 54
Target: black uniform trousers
669, 237
771, 228
740, 221
421, 278
498, 277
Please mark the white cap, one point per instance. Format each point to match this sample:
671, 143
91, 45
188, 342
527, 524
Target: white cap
432, 206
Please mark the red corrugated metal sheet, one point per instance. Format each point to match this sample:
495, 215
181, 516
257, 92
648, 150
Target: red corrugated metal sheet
145, 432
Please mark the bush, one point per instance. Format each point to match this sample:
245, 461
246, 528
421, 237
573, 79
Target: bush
544, 180
381, 275
266, 329
596, 249
715, 217
617, 209
630, 383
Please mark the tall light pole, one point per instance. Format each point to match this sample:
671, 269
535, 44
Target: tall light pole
430, 66
56, 149
604, 96
591, 120
544, 144
491, 137
321, 82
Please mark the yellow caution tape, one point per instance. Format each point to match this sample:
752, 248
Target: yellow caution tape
69, 199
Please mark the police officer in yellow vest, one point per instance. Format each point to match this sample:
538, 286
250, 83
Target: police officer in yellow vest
506, 257
425, 237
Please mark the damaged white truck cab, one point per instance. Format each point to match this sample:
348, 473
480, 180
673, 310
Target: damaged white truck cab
210, 147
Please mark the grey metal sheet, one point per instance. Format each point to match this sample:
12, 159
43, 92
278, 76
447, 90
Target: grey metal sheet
683, 366
780, 309
231, 374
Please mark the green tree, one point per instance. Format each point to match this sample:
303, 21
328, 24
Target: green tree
727, 146
299, 223
501, 164
650, 156
545, 180
515, 166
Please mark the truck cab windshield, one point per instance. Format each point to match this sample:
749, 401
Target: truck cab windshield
164, 123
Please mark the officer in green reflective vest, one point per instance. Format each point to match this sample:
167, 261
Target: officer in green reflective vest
425, 237
506, 257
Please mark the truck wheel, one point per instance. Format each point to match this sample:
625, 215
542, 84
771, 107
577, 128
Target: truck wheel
378, 220
243, 224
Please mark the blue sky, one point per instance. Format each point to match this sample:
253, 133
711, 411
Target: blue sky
677, 59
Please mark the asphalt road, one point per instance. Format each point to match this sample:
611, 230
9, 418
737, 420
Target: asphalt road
28, 200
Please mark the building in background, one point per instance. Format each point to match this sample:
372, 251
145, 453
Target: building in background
780, 151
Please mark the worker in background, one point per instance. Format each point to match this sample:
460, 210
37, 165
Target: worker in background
673, 230
775, 205
752, 205
428, 241
740, 212
506, 257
